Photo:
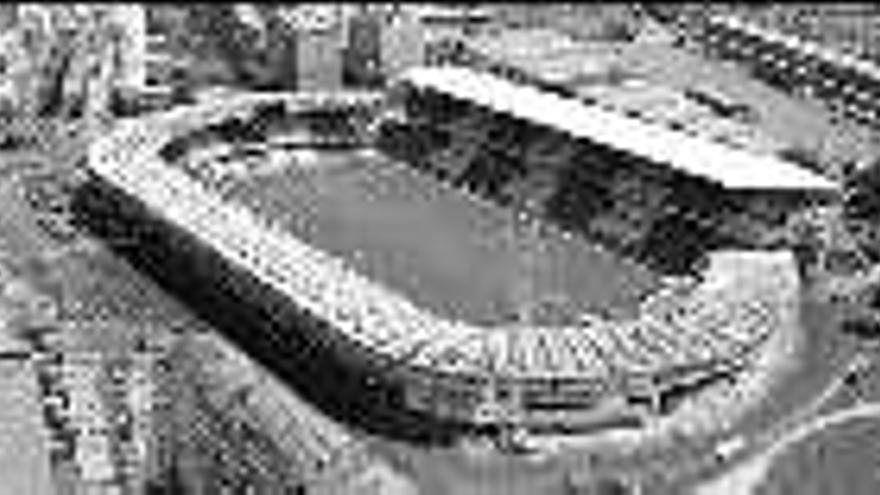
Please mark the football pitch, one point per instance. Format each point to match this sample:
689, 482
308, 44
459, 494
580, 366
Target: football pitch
449, 252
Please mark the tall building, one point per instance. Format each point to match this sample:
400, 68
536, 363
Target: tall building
130, 21
315, 33
402, 43
319, 57
362, 52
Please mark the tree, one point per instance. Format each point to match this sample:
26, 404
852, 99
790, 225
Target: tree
862, 193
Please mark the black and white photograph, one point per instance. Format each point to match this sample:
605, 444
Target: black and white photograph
440, 248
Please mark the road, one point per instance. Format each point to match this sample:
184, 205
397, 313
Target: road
812, 388
859, 364
773, 443
745, 478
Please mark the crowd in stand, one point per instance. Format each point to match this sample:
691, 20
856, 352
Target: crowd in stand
581, 187
718, 407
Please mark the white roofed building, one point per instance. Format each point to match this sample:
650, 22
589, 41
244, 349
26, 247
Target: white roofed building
731, 168
635, 181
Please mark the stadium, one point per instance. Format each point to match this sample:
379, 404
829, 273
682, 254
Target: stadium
342, 239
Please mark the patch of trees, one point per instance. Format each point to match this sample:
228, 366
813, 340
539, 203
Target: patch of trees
863, 193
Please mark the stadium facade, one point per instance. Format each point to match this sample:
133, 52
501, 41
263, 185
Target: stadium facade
369, 340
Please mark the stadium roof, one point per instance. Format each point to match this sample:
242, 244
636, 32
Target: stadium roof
728, 166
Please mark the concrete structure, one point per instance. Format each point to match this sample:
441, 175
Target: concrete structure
409, 357
730, 167
383, 43
402, 43
319, 57
363, 32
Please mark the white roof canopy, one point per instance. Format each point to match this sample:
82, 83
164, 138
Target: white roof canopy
731, 167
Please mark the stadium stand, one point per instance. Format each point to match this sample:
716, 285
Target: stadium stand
731, 168
571, 172
463, 369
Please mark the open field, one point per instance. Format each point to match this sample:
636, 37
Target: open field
454, 254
